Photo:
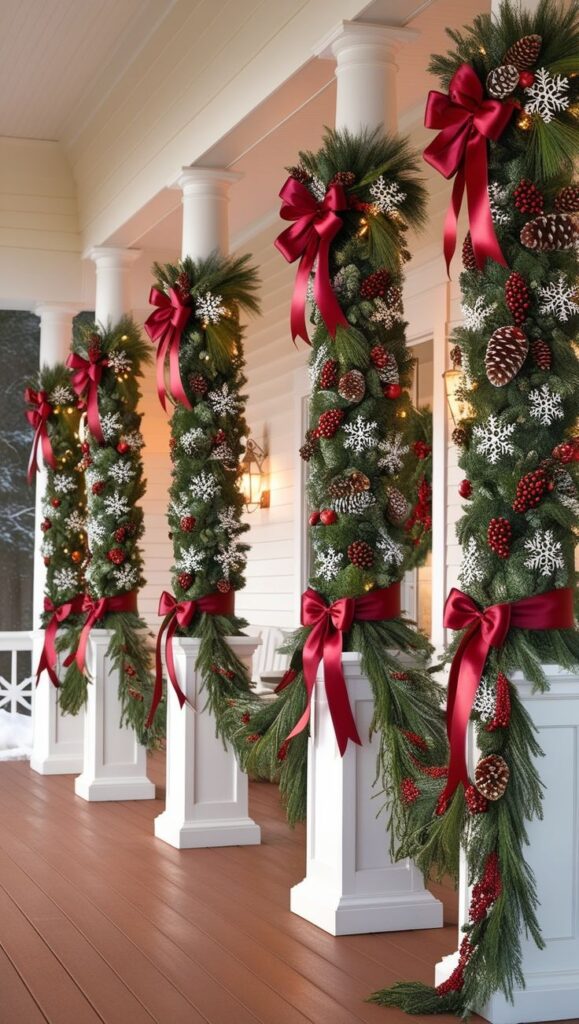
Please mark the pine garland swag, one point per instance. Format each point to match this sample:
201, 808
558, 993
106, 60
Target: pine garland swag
206, 505
518, 456
358, 450
114, 486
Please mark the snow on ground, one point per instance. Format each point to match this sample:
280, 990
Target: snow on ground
15, 737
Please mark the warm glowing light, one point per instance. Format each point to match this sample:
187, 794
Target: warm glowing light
254, 477
524, 122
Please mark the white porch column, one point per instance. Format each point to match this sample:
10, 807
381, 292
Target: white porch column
57, 739
351, 885
206, 801
114, 763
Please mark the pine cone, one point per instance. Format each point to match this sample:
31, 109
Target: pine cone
329, 374
567, 200
517, 297
354, 482
198, 384
299, 172
307, 450
499, 535
352, 386
394, 296
329, 422
361, 554
468, 256
505, 354
523, 54
502, 81
491, 776
459, 437
527, 198
541, 354
456, 356
397, 508
552, 231
375, 285
344, 178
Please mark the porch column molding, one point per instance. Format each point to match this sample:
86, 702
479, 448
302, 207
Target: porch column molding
113, 279
205, 202
366, 73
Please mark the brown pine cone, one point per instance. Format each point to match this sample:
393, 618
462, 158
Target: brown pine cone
502, 81
352, 386
198, 384
506, 352
397, 508
567, 200
524, 53
541, 354
491, 776
344, 178
552, 231
468, 256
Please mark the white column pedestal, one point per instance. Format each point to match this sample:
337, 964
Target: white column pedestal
551, 974
57, 739
207, 793
115, 764
351, 885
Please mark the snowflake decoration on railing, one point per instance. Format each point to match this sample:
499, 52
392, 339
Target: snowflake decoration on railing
119, 361
391, 552
209, 308
547, 95
387, 194
61, 395
476, 316
385, 314
193, 440
393, 451
65, 580
471, 569
111, 425
485, 700
223, 401
204, 486
354, 504
230, 559
191, 559
328, 563
228, 520
64, 484
492, 438
75, 521
559, 299
360, 435
121, 472
545, 405
545, 553
126, 577
116, 505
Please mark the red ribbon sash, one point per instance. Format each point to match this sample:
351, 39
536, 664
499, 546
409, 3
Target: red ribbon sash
37, 417
59, 614
181, 614
315, 225
324, 643
95, 609
466, 121
486, 628
85, 381
165, 326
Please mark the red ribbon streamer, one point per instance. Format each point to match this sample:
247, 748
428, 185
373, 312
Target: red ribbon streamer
316, 224
324, 643
85, 381
37, 417
467, 122
95, 609
486, 628
180, 614
59, 614
165, 326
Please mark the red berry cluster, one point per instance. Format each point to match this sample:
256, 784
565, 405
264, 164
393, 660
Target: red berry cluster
421, 449
282, 752
568, 451
187, 523
329, 423
531, 490
502, 715
184, 579
135, 694
329, 374
116, 556
361, 554
415, 739
246, 718
198, 384
98, 487
219, 438
375, 285
455, 982
487, 890
475, 801
380, 356
517, 297
223, 586
499, 534
120, 535
527, 198
130, 671
254, 737
434, 771
409, 791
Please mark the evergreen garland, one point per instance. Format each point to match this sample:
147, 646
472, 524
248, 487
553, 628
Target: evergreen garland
415, 482
356, 448
206, 505
115, 485
519, 455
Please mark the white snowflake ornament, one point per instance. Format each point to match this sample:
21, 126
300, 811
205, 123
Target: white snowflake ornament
191, 559
192, 440
387, 194
125, 577
223, 401
61, 395
392, 452
121, 472
476, 316
134, 439
547, 95
209, 308
119, 361
391, 552
328, 563
75, 521
228, 520
485, 700
385, 314
471, 569
360, 435
545, 553
491, 439
545, 405
116, 505
65, 579
95, 532
204, 486
230, 559
64, 484
559, 299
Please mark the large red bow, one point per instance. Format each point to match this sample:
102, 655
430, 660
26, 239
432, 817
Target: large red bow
466, 121
486, 628
180, 614
37, 417
95, 609
58, 614
324, 643
316, 224
165, 326
85, 381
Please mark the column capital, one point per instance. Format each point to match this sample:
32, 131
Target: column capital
203, 180
112, 256
353, 41
56, 311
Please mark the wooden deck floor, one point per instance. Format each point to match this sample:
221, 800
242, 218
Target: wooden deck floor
101, 922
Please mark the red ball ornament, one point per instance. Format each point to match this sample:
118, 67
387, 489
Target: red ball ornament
314, 518
185, 579
130, 671
45, 525
328, 516
116, 555
392, 391
122, 448
223, 586
55, 502
85, 447
526, 79
98, 487
187, 523
120, 535
465, 488
46, 560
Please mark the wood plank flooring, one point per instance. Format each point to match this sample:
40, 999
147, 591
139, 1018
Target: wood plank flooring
101, 922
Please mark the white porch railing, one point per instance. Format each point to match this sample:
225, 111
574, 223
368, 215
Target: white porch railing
16, 679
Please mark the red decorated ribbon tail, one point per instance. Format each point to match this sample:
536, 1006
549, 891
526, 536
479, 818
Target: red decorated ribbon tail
286, 680
165, 327
324, 294
48, 655
37, 417
85, 381
95, 610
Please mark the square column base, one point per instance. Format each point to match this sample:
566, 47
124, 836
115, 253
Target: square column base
57, 739
362, 915
198, 834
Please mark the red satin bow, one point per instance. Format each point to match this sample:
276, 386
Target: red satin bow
165, 326
85, 381
316, 224
324, 643
59, 614
180, 614
467, 122
486, 628
37, 418
95, 609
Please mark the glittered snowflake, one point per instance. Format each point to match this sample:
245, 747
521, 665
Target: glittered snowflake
96, 532
476, 316
385, 314
545, 553
491, 439
392, 455
317, 188
64, 484
47, 547
126, 577
223, 401
204, 486
228, 520
485, 700
121, 472
192, 440
547, 95
360, 435
354, 504
61, 395
471, 569
182, 506
497, 197
111, 425
545, 405
209, 308
75, 521
387, 194
191, 559
559, 299
134, 439
316, 362
119, 361
223, 453
65, 579
117, 505
391, 552
230, 559
328, 563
